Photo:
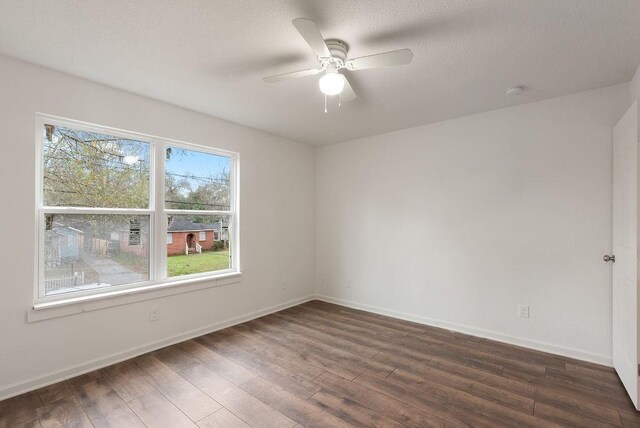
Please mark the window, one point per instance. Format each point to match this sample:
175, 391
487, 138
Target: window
198, 195
104, 224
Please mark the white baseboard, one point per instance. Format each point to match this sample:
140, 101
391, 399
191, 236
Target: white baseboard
493, 335
60, 375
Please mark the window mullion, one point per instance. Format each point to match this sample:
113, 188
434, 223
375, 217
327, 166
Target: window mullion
160, 228
196, 212
86, 210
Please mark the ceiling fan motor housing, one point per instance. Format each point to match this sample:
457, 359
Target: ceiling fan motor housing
338, 50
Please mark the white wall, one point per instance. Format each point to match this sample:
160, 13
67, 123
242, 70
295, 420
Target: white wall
634, 86
277, 223
458, 222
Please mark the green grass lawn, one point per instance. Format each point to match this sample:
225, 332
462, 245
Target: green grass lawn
197, 263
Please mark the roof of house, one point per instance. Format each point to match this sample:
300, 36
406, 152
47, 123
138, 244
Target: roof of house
62, 229
181, 225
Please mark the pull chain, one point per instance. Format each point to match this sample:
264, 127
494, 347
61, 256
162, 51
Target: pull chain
325, 103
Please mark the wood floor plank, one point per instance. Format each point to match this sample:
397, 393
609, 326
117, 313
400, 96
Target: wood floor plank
183, 394
592, 383
265, 353
293, 382
424, 402
321, 344
104, 406
526, 367
371, 317
301, 411
350, 411
54, 392
553, 396
242, 404
474, 409
175, 358
368, 336
156, 411
406, 349
604, 375
33, 423
299, 353
85, 378
426, 377
383, 404
549, 387
470, 403
563, 417
345, 345
127, 380
215, 362
307, 349
222, 419
249, 352
64, 412
380, 330
286, 358
19, 409
510, 351
630, 418
151, 366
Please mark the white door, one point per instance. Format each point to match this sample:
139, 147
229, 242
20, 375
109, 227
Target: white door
625, 249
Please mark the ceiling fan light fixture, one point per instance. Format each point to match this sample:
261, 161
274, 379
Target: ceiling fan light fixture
332, 83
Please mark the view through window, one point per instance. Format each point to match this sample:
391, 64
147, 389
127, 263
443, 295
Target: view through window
198, 202
100, 227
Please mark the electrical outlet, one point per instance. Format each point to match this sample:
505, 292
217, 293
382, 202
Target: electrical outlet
349, 282
154, 315
523, 311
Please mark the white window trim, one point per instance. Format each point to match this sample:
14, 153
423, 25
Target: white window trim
169, 238
202, 235
158, 216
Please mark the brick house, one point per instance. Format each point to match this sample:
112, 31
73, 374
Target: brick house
183, 235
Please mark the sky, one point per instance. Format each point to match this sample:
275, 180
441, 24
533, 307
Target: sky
199, 164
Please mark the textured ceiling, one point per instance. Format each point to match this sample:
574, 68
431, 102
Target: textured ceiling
210, 55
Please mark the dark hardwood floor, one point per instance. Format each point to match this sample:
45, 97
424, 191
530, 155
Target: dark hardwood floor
324, 365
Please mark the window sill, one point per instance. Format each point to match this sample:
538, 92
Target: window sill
77, 305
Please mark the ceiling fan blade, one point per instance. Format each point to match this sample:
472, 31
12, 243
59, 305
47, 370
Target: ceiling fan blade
292, 75
399, 57
310, 33
347, 93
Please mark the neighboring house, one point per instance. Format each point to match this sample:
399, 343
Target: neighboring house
124, 243
183, 234
140, 249
63, 244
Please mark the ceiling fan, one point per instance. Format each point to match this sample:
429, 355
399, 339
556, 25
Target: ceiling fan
332, 57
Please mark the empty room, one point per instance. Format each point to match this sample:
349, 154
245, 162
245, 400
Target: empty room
304, 213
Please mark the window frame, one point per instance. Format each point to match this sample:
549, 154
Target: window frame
158, 214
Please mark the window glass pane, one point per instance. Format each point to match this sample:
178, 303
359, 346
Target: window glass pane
188, 255
85, 252
88, 169
196, 180
169, 238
